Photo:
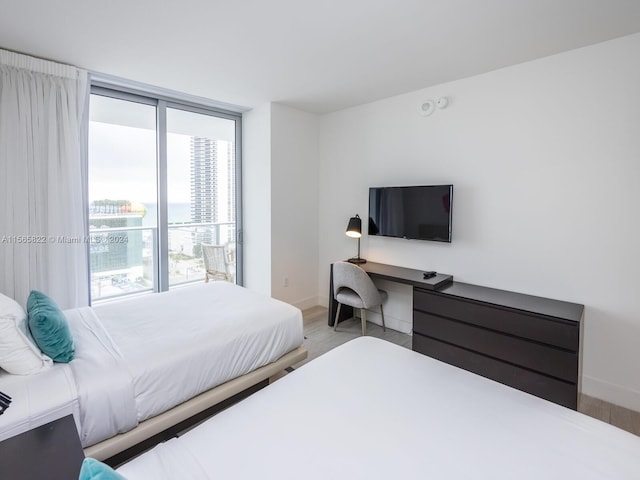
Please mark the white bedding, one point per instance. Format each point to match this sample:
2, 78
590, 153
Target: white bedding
141, 356
183, 342
38, 399
370, 409
102, 378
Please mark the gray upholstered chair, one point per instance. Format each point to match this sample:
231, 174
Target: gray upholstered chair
352, 286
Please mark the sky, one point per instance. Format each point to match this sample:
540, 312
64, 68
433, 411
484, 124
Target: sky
122, 164
122, 149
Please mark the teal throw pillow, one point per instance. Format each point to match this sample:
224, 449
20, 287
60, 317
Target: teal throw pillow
92, 469
49, 327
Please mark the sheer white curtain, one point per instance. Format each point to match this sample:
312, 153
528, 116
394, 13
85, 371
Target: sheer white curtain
42, 187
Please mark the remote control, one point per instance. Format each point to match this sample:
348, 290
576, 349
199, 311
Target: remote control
429, 274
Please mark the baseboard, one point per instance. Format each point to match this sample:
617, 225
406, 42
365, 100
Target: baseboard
610, 392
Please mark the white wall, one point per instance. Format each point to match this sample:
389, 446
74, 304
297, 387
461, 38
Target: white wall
256, 200
294, 206
545, 161
280, 170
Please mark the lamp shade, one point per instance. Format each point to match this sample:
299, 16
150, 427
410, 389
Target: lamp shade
354, 229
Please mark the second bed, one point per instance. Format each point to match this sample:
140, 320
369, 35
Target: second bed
373, 410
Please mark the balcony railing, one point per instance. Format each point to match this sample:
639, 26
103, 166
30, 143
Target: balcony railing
185, 252
123, 260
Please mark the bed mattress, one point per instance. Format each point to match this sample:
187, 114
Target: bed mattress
138, 357
38, 399
370, 409
180, 343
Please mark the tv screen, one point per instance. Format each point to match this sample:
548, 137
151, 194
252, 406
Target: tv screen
421, 212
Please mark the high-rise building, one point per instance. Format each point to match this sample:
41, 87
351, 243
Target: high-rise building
230, 199
213, 187
203, 180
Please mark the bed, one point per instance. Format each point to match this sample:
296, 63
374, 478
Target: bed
371, 409
146, 363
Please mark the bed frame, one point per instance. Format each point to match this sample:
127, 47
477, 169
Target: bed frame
119, 448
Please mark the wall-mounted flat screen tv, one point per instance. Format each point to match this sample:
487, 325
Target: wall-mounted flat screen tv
419, 212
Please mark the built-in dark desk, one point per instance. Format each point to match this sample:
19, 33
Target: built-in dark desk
408, 276
527, 342
383, 271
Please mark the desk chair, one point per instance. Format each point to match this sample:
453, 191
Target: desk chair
352, 286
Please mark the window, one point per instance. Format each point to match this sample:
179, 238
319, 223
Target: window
162, 180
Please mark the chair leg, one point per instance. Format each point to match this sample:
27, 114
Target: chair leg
382, 313
335, 322
363, 314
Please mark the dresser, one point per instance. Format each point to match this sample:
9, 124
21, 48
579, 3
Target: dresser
527, 342
530, 343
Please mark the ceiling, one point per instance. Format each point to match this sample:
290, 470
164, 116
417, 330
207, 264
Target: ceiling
318, 56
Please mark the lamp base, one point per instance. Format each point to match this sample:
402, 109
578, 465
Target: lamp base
357, 260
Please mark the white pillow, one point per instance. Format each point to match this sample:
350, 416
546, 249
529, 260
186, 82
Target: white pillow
8, 306
18, 354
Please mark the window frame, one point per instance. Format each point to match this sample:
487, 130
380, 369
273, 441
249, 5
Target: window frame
162, 100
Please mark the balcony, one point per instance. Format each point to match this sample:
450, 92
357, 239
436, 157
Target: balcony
123, 260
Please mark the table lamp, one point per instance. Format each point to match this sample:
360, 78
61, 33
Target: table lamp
354, 230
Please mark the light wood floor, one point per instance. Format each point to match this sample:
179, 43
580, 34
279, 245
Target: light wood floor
320, 338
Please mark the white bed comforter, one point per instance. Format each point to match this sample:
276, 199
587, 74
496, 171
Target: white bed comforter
137, 358
38, 399
104, 384
373, 410
180, 343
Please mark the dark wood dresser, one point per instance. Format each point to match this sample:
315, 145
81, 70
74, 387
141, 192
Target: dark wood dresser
530, 343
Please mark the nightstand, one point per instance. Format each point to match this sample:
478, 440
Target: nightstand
51, 451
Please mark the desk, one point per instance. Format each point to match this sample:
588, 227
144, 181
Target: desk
527, 342
50, 451
408, 276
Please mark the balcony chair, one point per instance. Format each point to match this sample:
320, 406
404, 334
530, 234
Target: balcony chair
215, 263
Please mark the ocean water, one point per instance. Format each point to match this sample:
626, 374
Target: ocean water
178, 213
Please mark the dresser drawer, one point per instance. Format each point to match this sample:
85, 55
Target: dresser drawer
533, 327
554, 390
531, 355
